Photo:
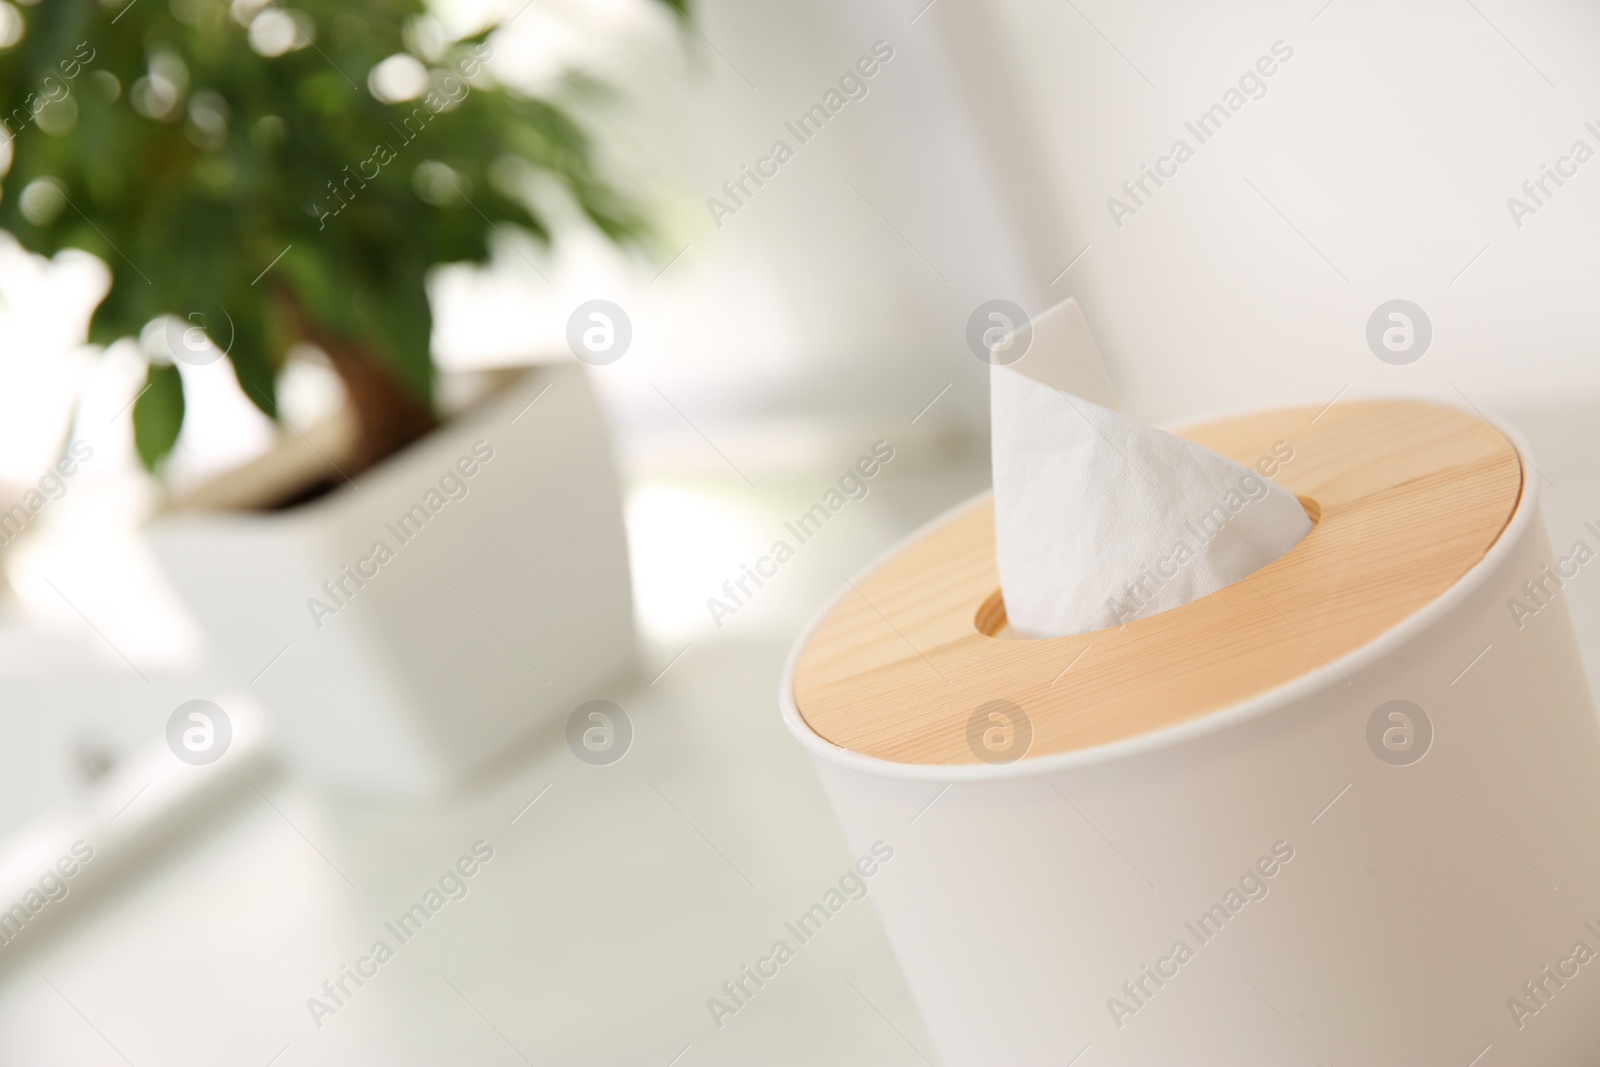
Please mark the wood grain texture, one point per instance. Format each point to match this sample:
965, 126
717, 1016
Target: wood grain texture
1411, 497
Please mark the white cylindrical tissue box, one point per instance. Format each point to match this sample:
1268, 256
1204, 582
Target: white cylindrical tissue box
1345, 811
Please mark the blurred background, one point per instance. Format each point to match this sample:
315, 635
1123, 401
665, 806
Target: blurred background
776, 328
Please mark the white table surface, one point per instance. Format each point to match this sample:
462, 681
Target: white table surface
614, 906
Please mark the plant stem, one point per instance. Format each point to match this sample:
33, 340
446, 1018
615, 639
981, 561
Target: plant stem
389, 414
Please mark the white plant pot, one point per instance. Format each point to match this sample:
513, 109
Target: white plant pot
1418, 900
495, 612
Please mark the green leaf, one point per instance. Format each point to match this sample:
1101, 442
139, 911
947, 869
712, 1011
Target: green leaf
276, 194
158, 414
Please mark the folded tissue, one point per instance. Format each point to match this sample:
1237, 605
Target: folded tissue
1100, 519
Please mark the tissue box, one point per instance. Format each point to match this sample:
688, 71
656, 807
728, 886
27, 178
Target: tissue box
1320, 813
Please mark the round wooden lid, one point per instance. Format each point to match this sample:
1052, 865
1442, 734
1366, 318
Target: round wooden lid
1407, 497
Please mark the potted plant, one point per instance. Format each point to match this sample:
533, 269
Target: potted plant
257, 176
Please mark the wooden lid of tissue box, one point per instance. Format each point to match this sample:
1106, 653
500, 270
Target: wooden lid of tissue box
1407, 497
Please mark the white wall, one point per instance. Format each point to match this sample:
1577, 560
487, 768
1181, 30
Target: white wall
1390, 141
842, 287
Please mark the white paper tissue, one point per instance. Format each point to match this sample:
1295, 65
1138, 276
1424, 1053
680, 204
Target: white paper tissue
1100, 519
